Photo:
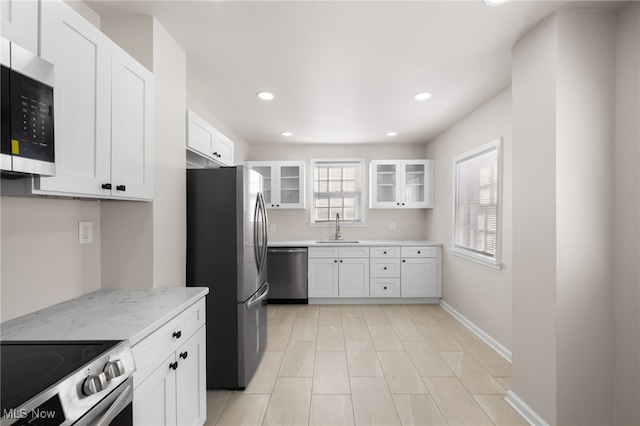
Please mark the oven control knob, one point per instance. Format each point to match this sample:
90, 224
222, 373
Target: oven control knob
113, 369
94, 384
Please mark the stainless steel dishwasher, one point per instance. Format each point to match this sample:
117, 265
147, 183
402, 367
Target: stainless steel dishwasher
287, 274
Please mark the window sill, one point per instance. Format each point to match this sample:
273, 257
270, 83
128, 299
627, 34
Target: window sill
491, 263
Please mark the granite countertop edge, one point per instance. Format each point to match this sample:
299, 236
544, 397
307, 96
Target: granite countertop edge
108, 314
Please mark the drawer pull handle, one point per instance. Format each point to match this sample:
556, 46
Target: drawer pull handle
121, 188
184, 355
106, 186
177, 334
174, 365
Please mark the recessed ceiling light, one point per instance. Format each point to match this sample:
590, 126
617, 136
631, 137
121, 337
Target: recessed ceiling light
494, 2
266, 96
287, 134
392, 133
422, 96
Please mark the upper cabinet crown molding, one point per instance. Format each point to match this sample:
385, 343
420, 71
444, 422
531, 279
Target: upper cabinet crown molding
401, 184
207, 142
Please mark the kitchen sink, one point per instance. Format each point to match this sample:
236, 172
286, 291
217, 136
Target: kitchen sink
338, 241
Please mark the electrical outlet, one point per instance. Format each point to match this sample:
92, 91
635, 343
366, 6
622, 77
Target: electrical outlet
85, 232
392, 226
273, 227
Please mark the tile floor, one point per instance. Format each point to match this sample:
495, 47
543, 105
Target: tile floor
369, 365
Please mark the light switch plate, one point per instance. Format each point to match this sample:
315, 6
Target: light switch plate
85, 232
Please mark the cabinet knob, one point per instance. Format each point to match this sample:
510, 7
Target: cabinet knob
174, 365
215, 154
403, 260
385, 268
106, 186
403, 204
341, 261
184, 355
418, 251
277, 205
177, 334
384, 252
121, 188
398, 203
385, 287
335, 261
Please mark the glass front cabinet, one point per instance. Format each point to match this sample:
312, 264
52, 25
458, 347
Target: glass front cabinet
397, 184
283, 183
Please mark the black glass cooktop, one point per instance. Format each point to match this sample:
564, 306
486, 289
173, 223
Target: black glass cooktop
28, 368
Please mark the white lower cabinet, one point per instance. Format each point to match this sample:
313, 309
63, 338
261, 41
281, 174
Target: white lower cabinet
419, 272
374, 272
170, 380
338, 272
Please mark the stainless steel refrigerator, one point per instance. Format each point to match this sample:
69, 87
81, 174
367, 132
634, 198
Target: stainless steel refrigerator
227, 252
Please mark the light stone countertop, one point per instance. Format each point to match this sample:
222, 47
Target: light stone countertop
315, 243
104, 315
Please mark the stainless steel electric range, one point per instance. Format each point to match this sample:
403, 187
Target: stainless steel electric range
66, 383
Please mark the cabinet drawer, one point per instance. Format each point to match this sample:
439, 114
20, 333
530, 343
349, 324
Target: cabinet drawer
419, 251
323, 252
385, 251
385, 268
384, 287
345, 252
160, 343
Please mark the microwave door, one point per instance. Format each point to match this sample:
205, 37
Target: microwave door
5, 122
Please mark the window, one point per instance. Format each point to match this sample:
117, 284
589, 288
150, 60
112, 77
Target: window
337, 189
476, 210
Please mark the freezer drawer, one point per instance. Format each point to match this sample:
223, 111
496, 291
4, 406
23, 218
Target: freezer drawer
287, 274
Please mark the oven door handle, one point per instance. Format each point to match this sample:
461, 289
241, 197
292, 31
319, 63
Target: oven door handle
124, 399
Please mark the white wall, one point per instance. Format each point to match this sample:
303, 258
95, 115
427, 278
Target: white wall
627, 219
483, 295
294, 224
563, 130
42, 261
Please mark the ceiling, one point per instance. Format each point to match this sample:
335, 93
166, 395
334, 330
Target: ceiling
345, 71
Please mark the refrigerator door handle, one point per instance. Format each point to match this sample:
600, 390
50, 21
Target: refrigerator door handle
251, 303
256, 249
265, 230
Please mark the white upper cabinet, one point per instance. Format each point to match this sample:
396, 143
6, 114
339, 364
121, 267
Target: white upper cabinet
81, 55
19, 23
401, 184
204, 140
283, 183
131, 128
103, 109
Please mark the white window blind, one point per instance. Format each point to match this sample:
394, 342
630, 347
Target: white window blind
337, 189
476, 229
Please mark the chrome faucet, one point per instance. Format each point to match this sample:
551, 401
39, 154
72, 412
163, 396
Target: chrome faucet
338, 234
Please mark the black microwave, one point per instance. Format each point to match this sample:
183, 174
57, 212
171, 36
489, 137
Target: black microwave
26, 138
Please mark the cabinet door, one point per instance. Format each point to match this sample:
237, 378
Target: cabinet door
416, 184
191, 383
291, 184
223, 149
131, 128
418, 277
200, 135
155, 398
323, 278
354, 277
384, 184
267, 170
20, 23
81, 55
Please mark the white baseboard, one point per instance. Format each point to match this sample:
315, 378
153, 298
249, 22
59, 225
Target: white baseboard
497, 346
524, 410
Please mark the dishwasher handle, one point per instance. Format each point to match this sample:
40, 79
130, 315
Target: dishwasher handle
288, 250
